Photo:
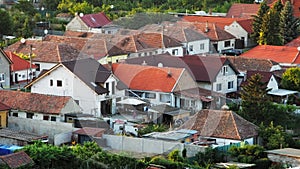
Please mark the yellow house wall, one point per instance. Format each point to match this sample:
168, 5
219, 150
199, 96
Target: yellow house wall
112, 59
3, 122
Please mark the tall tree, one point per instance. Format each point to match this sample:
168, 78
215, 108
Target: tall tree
255, 101
257, 22
6, 23
269, 32
288, 24
291, 79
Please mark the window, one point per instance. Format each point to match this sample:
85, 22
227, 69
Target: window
53, 118
51, 82
2, 77
29, 115
150, 95
230, 85
191, 48
59, 83
219, 87
224, 70
38, 67
202, 46
77, 101
107, 86
175, 52
112, 87
46, 118
227, 43
166, 98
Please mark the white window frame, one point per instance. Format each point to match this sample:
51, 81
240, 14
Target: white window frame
2, 77
175, 52
219, 87
202, 46
230, 85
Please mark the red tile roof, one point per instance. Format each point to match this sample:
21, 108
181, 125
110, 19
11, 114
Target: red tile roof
95, 20
238, 10
219, 21
221, 124
280, 54
32, 102
295, 42
4, 107
17, 159
246, 24
147, 78
18, 63
214, 32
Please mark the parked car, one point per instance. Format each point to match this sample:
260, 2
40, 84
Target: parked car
232, 52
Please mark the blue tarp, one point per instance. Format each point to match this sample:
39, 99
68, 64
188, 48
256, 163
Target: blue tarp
8, 149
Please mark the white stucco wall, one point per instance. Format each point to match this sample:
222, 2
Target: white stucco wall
196, 46
224, 79
221, 45
239, 32
43, 66
272, 84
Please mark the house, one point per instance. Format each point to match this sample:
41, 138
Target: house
154, 84
87, 133
47, 53
223, 126
294, 42
165, 114
38, 106
21, 70
193, 41
5, 63
214, 75
289, 157
97, 22
92, 86
16, 160
4, 111
243, 65
272, 82
239, 28
286, 56
241, 10
146, 44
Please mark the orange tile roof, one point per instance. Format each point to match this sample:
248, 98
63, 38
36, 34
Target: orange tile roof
18, 63
280, 54
219, 21
148, 78
238, 10
32, 102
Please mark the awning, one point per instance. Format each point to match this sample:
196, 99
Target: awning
131, 101
282, 92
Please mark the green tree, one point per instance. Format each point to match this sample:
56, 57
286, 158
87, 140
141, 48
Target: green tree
257, 21
26, 7
5, 23
83, 7
255, 101
250, 154
23, 24
273, 137
175, 156
288, 24
291, 79
209, 156
269, 32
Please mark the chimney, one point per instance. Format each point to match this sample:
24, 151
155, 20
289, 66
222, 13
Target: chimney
144, 63
206, 27
169, 73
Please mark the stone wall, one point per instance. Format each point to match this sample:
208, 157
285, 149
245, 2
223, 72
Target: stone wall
151, 146
40, 127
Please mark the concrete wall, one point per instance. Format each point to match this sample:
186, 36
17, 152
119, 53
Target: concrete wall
152, 146
290, 161
40, 127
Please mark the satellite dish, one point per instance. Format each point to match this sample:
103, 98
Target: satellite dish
298, 48
23, 40
81, 14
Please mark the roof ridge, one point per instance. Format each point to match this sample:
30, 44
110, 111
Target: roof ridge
235, 126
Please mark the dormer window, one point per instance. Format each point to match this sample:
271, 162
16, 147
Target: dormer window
224, 70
